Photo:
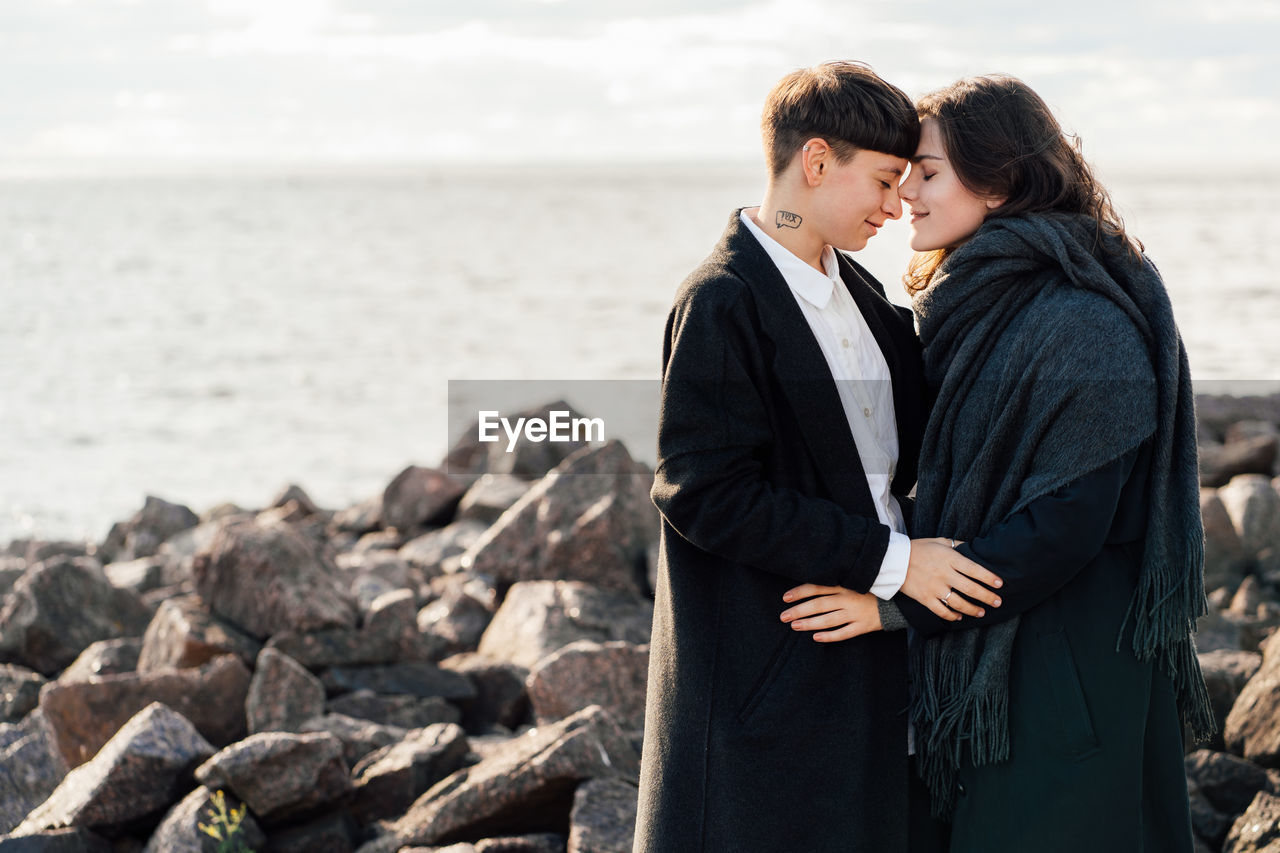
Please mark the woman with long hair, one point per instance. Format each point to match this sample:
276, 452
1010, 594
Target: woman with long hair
1061, 455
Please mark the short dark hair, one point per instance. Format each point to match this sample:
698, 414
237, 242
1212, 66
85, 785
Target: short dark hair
845, 103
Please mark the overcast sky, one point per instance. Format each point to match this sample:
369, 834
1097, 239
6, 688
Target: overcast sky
156, 82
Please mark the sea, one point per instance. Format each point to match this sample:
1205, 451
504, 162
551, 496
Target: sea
215, 338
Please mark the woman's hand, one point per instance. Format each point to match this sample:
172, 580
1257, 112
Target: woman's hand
944, 580
849, 613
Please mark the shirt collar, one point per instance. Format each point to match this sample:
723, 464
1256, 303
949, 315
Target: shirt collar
814, 287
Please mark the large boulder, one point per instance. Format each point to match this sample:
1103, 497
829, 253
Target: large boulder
139, 772
589, 520
1258, 829
1225, 674
271, 578
540, 617
184, 633
281, 776
30, 770
1254, 508
1225, 561
58, 608
283, 694
84, 715
585, 673
388, 780
206, 822
1228, 782
604, 817
527, 787
419, 496
1253, 727
142, 535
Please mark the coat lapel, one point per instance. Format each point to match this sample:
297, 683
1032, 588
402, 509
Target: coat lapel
801, 369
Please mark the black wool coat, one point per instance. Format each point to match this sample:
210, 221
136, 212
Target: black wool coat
757, 738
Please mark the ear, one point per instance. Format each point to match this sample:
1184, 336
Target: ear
993, 203
815, 156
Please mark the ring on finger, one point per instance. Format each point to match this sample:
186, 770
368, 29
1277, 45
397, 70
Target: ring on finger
944, 600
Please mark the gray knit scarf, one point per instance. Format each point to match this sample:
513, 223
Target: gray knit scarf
1052, 351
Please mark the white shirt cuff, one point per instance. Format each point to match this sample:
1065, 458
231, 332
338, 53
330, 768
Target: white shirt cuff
893, 571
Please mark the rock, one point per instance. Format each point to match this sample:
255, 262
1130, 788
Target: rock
469, 457
1225, 675
456, 621
1247, 598
135, 776
395, 615
408, 712
1253, 726
501, 698
603, 819
1220, 463
1206, 821
142, 535
179, 553
334, 833
416, 678
388, 780
19, 691
361, 518
335, 647
30, 770
528, 787
296, 495
1246, 429
105, 657
267, 579
281, 776
282, 695
71, 840
378, 541
1225, 561
183, 634
58, 608
1218, 631
588, 520
180, 831
1228, 782
358, 737
491, 496
84, 715
540, 617
1258, 829
420, 496
1254, 508
141, 575
429, 551
611, 675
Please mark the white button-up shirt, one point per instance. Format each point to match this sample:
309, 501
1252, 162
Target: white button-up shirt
862, 379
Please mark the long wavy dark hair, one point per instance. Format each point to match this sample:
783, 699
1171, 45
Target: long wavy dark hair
1002, 140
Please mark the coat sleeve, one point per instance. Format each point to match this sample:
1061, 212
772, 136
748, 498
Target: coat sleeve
1038, 549
714, 434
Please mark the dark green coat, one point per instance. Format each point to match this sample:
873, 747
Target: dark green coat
756, 737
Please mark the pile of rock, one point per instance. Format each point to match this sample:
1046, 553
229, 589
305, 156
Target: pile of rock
458, 663
1235, 782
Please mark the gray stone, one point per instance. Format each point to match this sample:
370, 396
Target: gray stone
429, 551
139, 772
282, 694
180, 831
358, 737
1258, 829
409, 712
388, 780
271, 578
105, 657
604, 817
417, 678
30, 770
280, 775
588, 520
1220, 463
1228, 782
84, 715
295, 494
142, 535
611, 675
361, 518
1206, 821
457, 621
184, 633
540, 617
19, 691
58, 608
333, 833
141, 575
1247, 598
1253, 726
490, 496
179, 553
501, 698
70, 840
420, 496
1225, 675
1254, 508
1225, 561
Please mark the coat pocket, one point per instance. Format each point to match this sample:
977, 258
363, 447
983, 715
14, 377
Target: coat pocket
772, 669
1075, 728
